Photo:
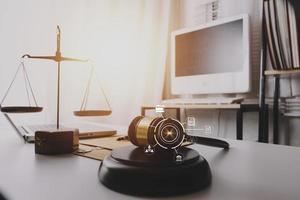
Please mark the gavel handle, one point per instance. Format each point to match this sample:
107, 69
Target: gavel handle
208, 141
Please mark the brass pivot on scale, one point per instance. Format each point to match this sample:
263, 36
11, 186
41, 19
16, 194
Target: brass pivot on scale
57, 58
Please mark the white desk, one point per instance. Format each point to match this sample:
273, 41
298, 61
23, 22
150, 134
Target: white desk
240, 110
247, 171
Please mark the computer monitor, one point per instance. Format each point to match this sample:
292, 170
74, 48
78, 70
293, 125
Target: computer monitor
212, 58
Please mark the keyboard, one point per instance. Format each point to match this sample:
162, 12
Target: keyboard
202, 101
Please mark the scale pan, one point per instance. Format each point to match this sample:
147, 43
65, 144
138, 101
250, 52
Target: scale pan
21, 109
87, 113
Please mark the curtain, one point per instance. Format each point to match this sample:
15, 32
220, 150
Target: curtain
125, 40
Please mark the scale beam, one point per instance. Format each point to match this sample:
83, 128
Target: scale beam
54, 58
39, 57
73, 59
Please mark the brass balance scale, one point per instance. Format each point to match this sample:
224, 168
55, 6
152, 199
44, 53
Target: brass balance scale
82, 112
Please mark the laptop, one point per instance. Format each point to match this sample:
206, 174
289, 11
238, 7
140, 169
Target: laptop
86, 130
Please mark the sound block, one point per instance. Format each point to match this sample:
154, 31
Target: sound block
52, 142
129, 170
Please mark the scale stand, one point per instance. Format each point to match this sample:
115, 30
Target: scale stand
57, 58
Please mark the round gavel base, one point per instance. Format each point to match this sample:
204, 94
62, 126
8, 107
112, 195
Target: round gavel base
129, 170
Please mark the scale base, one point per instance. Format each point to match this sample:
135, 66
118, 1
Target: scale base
129, 170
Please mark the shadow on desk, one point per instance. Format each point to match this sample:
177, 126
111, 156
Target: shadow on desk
2, 197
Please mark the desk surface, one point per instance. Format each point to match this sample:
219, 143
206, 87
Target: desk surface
247, 171
194, 106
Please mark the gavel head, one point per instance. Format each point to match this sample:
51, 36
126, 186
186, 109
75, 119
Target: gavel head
168, 133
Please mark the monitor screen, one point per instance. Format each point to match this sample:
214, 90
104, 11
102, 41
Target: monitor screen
212, 50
